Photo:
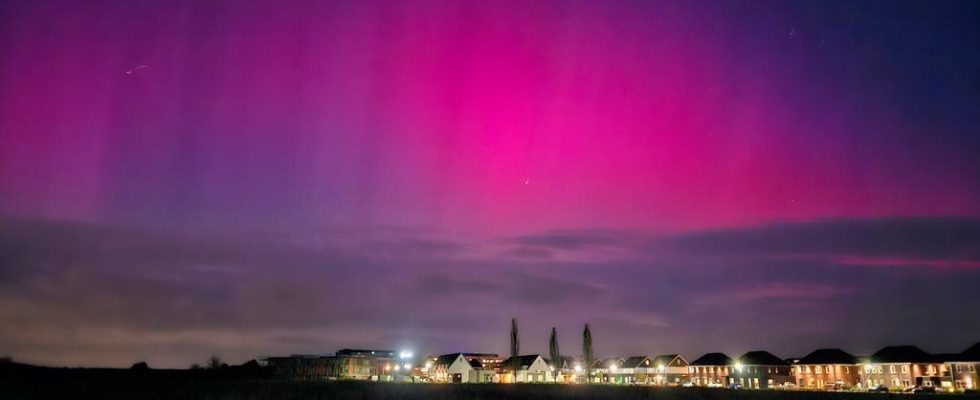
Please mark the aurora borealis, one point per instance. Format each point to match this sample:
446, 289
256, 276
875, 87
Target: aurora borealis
182, 178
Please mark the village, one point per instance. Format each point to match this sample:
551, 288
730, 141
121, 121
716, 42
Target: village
902, 368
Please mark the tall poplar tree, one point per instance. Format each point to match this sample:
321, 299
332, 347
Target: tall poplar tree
587, 356
554, 353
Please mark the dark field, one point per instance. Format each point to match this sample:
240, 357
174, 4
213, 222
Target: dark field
71, 384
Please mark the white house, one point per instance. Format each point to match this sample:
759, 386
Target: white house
462, 368
530, 368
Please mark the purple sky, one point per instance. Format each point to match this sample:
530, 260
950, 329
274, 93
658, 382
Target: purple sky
246, 178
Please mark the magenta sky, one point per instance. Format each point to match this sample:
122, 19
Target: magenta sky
522, 140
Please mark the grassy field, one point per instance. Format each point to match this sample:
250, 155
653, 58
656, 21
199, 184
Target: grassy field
71, 384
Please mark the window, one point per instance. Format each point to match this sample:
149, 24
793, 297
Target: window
959, 368
817, 369
846, 370
891, 369
972, 368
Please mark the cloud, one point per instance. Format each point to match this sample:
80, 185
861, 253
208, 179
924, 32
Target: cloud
571, 239
66, 287
939, 238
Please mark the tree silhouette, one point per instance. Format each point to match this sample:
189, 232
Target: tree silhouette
214, 363
515, 347
554, 353
587, 356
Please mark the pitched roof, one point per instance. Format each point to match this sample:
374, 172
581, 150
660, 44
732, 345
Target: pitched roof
636, 362
713, 359
608, 362
892, 354
475, 363
973, 351
523, 361
760, 357
447, 359
666, 359
828, 356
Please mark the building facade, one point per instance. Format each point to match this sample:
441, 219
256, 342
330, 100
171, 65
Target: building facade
827, 369
670, 369
711, 369
902, 367
760, 370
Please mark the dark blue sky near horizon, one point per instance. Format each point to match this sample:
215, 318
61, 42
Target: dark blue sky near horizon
180, 179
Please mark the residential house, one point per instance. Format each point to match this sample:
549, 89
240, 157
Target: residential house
964, 367
900, 367
638, 369
464, 368
530, 368
711, 369
607, 370
671, 369
760, 370
564, 369
827, 369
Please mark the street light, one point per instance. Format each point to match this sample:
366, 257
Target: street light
405, 354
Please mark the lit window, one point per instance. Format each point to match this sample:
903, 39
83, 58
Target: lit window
891, 369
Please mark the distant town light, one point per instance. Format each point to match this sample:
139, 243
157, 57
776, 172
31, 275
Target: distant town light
578, 368
398, 367
405, 354
408, 366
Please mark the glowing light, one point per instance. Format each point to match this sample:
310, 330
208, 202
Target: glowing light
428, 364
408, 366
613, 368
405, 354
738, 367
578, 368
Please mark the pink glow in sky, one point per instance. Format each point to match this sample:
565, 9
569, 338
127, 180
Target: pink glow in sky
470, 116
182, 178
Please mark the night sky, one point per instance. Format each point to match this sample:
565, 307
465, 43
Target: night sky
249, 178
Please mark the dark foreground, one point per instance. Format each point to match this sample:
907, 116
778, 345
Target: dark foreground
71, 384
